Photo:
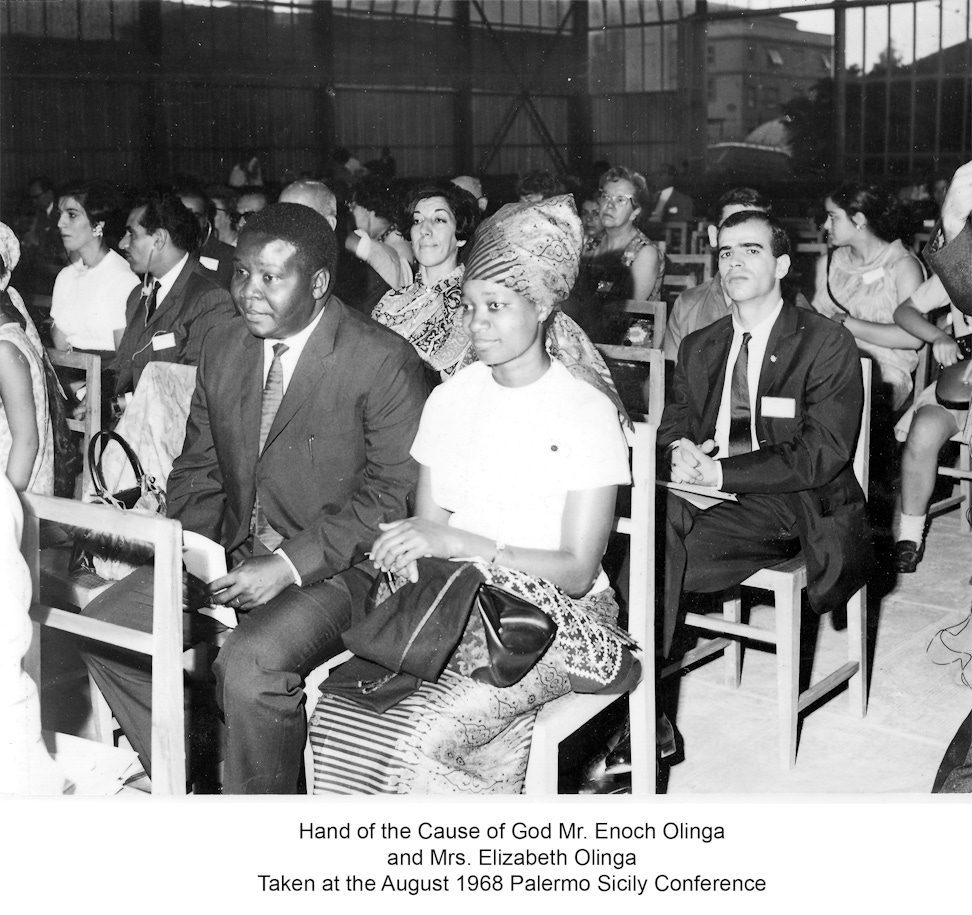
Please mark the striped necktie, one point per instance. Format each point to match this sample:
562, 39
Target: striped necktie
740, 416
273, 392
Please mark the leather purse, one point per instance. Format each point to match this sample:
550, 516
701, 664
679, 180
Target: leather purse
111, 556
412, 629
518, 635
952, 390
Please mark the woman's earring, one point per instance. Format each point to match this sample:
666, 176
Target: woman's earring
98, 230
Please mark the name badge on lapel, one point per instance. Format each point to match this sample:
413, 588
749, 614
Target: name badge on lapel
210, 263
166, 341
780, 407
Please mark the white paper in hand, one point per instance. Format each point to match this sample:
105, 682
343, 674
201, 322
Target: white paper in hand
206, 560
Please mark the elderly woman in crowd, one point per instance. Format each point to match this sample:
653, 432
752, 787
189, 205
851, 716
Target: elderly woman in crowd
624, 263
26, 434
537, 517
90, 294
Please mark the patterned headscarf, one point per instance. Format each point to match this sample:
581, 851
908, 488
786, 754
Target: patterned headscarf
9, 251
532, 248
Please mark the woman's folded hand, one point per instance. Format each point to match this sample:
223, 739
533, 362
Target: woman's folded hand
402, 542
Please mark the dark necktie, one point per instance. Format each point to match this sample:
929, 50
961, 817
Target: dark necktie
150, 296
740, 426
273, 392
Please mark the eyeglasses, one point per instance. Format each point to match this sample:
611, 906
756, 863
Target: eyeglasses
616, 199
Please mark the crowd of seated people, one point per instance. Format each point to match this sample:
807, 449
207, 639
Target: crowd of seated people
256, 287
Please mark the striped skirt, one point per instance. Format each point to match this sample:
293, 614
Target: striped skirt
455, 736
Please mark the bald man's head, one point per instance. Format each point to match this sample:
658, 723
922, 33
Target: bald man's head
314, 194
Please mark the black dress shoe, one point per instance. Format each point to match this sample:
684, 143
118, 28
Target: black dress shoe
907, 555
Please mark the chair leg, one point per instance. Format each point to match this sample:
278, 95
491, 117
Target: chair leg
102, 720
965, 464
788, 612
857, 651
732, 611
542, 768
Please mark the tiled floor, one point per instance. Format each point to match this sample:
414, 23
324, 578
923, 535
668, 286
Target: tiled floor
915, 707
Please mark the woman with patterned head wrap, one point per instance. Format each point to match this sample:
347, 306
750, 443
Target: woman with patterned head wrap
520, 455
26, 437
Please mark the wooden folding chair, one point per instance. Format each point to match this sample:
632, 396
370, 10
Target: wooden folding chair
163, 645
787, 580
89, 423
639, 376
561, 717
698, 266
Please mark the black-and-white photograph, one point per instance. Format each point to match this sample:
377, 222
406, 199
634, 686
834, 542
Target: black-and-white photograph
556, 412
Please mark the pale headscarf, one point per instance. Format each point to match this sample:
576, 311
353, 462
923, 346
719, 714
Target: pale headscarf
9, 251
534, 249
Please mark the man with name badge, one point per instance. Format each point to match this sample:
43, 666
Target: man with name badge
766, 403
178, 303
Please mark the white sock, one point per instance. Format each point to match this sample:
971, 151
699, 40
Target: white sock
911, 527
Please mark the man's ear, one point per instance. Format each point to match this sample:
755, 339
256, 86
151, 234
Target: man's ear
713, 236
321, 280
782, 266
160, 238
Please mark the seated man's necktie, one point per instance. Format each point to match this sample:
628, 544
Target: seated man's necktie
740, 417
273, 392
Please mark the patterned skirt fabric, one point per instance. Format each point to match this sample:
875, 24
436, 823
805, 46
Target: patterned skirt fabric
456, 736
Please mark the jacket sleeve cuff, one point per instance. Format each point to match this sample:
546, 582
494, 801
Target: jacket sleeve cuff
293, 568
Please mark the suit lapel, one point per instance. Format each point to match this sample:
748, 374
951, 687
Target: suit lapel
174, 295
715, 357
309, 372
781, 340
250, 380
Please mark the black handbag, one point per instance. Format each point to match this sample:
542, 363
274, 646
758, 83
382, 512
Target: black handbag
518, 635
412, 629
109, 555
952, 390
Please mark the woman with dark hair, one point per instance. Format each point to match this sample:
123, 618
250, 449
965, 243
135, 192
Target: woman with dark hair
865, 276
538, 185
377, 239
90, 294
624, 264
26, 434
428, 312
536, 516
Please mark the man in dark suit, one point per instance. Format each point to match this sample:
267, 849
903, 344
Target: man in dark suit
766, 403
178, 303
669, 204
297, 446
215, 256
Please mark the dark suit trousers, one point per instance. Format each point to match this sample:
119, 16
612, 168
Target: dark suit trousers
259, 673
711, 550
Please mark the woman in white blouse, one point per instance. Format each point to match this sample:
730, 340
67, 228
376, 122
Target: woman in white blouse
90, 294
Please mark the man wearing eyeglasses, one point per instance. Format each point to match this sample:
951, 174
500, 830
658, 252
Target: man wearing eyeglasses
249, 203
